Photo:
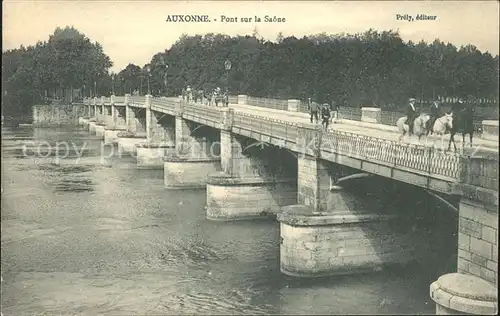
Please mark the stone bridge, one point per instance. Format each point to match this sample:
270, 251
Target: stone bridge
257, 161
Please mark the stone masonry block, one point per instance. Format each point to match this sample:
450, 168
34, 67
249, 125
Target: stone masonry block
487, 274
489, 234
474, 269
480, 247
463, 265
464, 254
463, 241
493, 266
494, 254
479, 260
470, 227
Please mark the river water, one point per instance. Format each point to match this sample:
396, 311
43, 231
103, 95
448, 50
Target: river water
102, 237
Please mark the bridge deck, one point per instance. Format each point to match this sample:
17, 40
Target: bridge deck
481, 146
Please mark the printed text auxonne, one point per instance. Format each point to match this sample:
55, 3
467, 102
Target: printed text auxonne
188, 18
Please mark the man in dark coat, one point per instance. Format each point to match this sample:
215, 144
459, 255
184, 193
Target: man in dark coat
411, 114
325, 115
313, 110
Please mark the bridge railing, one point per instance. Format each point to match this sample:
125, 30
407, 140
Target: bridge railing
268, 103
165, 103
423, 159
286, 131
232, 99
119, 99
137, 99
415, 158
204, 112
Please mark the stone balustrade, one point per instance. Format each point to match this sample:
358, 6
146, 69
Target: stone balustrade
490, 130
371, 115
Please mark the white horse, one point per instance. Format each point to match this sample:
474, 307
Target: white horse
442, 125
418, 126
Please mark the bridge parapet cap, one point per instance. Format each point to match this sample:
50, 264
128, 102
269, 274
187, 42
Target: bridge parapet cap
371, 109
465, 293
490, 122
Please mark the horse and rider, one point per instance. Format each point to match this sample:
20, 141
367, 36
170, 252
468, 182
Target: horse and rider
413, 123
463, 122
459, 120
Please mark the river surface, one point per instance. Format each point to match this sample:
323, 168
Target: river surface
102, 237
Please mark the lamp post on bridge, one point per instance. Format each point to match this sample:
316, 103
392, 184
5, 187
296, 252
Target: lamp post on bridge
113, 84
227, 66
148, 69
165, 79
95, 88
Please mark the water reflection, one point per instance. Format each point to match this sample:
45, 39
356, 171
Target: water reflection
101, 237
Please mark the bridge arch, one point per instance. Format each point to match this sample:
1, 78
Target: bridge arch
335, 183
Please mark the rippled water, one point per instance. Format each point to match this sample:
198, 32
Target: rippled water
103, 237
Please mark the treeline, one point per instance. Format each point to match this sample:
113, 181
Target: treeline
63, 67
370, 68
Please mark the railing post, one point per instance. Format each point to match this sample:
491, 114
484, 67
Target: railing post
242, 99
102, 100
293, 105
371, 114
112, 99
127, 99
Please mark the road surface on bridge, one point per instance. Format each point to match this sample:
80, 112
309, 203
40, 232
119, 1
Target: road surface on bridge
481, 146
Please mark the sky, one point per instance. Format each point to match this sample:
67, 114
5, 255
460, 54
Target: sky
133, 31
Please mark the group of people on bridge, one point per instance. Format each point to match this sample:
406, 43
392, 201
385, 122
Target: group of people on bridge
210, 98
328, 112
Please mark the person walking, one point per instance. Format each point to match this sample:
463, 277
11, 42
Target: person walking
325, 115
411, 114
334, 111
313, 110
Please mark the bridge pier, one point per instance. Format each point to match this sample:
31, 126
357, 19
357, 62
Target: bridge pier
160, 140
135, 124
116, 123
472, 290
330, 231
100, 120
194, 157
252, 182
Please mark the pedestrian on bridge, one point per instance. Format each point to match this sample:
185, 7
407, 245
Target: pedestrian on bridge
313, 111
325, 115
411, 114
334, 111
